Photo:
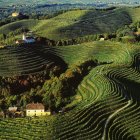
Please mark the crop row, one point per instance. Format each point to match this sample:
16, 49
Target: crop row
107, 102
23, 60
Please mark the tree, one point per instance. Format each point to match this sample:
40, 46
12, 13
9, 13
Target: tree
3, 106
54, 92
2, 37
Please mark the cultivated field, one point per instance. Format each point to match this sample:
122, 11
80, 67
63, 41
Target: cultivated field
25, 59
110, 107
29, 128
76, 23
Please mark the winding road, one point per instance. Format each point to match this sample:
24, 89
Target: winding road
111, 116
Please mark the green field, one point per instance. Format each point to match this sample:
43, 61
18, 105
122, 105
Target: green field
22, 60
109, 106
29, 128
107, 51
25, 59
109, 98
106, 105
78, 23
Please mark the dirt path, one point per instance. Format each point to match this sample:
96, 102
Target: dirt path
111, 116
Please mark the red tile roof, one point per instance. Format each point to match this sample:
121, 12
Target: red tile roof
35, 106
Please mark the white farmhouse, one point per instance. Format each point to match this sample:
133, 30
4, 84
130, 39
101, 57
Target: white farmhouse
36, 109
28, 39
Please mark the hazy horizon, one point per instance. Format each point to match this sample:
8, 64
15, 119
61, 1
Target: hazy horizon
9, 2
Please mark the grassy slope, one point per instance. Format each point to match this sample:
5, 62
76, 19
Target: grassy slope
105, 51
110, 94
26, 128
78, 23
19, 24
134, 13
24, 60
104, 91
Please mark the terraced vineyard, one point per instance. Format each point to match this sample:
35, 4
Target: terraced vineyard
109, 52
19, 129
108, 104
109, 107
23, 60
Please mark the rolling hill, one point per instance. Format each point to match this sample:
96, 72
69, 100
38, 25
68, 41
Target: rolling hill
108, 104
25, 60
109, 97
7, 2
73, 24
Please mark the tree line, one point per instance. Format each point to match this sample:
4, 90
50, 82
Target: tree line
55, 91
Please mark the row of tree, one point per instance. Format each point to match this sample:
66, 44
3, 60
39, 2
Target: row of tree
20, 90
58, 91
55, 91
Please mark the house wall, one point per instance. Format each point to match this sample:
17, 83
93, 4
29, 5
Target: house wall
102, 39
47, 113
36, 113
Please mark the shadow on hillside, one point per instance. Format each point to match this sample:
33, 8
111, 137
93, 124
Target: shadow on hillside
136, 62
133, 88
53, 56
94, 22
50, 55
30, 67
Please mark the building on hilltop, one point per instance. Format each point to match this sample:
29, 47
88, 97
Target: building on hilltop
26, 39
137, 33
36, 109
16, 14
19, 15
13, 112
1, 46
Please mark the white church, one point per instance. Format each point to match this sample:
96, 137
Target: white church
26, 39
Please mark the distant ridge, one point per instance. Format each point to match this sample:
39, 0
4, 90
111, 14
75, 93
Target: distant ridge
8, 2
61, 26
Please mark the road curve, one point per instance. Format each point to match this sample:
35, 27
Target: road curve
111, 116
